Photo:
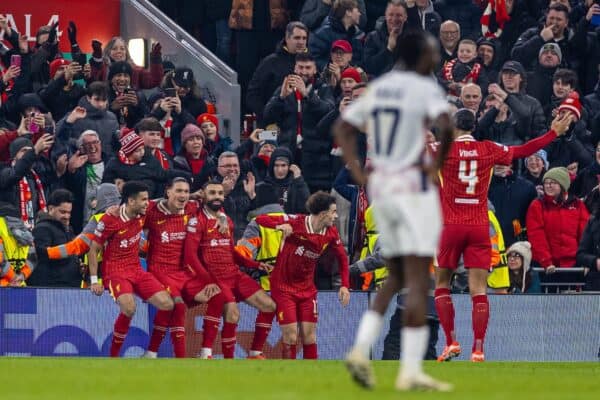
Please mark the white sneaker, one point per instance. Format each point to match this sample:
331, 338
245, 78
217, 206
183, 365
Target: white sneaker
149, 354
421, 382
360, 369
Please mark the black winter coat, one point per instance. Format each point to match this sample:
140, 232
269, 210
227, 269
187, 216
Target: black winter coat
237, 205
267, 77
539, 84
283, 112
509, 132
319, 42
59, 101
573, 146
586, 181
529, 112
511, 197
589, 252
181, 163
53, 273
377, 58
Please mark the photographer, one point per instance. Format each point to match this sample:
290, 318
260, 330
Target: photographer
84, 174
167, 109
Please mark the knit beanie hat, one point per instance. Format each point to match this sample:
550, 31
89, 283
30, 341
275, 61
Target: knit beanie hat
17, 144
352, 73
130, 143
191, 130
524, 250
206, 117
571, 103
119, 67
553, 47
560, 175
56, 64
540, 154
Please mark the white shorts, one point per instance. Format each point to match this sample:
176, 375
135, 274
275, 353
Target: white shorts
409, 222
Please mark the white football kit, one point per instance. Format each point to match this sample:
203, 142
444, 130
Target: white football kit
406, 205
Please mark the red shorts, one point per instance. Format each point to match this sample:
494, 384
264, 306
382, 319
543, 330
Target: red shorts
238, 288
141, 283
471, 241
182, 284
292, 308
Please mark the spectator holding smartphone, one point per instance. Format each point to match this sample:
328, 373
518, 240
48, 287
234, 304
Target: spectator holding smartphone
166, 107
122, 98
62, 94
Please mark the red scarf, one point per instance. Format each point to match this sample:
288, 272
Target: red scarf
124, 159
497, 9
196, 164
164, 163
471, 77
362, 204
166, 135
25, 196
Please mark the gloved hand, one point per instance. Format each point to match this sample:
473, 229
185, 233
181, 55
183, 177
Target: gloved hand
53, 33
96, 49
72, 32
156, 53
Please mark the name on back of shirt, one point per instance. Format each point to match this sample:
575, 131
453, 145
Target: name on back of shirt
468, 153
393, 93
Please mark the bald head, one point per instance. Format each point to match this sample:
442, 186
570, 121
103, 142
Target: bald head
470, 97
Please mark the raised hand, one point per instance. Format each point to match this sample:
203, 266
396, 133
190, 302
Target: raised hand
72, 33
561, 123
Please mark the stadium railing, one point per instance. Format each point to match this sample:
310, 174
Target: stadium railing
142, 19
563, 280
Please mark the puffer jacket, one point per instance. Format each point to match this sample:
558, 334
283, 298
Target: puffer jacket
104, 122
242, 14
319, 43
555, 230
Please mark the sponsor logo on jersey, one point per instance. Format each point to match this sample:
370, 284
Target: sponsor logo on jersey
219, 242
166, 237
302, 252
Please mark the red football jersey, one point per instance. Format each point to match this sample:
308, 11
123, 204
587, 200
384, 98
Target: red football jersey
294, 270
208, 249
166, 236
466, 176
121, 239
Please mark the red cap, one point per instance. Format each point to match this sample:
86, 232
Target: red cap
571, 103
352, 73
56, 64
342, 44
206, 117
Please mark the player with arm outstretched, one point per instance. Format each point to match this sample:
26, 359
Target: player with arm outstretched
123, 275
306, 237
206, 248
394, 112
166, 227
465, 181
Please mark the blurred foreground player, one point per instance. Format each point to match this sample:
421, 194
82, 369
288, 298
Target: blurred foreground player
395, 111
119, 238
306, 237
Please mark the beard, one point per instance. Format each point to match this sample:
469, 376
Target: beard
214, 205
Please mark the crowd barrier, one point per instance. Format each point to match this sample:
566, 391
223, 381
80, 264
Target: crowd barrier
72, 322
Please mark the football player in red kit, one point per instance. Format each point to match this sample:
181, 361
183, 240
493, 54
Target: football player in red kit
208, 249
465, 180
292, 280
166, 226
123, 275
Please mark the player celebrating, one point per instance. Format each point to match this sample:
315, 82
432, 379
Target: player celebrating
121, 270
207, 248
306, 237
166, 223
394, 112
465, 182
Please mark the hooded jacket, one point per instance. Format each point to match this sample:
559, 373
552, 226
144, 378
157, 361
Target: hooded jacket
291, 192
53, 273
104, 122
555, 230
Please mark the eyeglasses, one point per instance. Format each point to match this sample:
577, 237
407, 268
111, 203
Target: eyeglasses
449, 33
513, 255
93, 142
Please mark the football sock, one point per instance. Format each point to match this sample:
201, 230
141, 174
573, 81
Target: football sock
159, 329
119, 334
262, 327
480, 315
445, 310
413, 347
309, 351
210, 327
177, 326
288, 351
368, 332
228, 339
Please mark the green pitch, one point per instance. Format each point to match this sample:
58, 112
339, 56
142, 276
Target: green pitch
85, 378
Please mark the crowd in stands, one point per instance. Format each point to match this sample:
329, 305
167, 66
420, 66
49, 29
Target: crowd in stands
70, 126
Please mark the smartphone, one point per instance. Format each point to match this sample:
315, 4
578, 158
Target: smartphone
595, 20
80, 59
127, 90
267, 135
170, 92
33, 127
15, 59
